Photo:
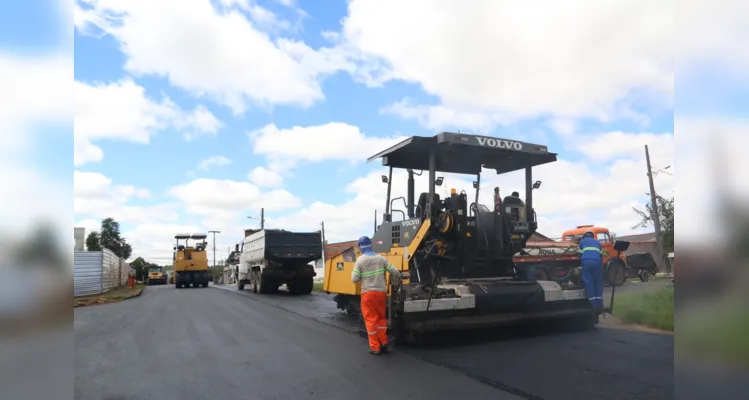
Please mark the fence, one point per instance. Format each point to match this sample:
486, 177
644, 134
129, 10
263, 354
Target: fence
98, 271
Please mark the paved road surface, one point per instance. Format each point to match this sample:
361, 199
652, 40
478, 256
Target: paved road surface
239, 345
213, 344
539, 362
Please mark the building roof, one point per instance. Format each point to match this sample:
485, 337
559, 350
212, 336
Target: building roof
334, 249
638, 238
537, 237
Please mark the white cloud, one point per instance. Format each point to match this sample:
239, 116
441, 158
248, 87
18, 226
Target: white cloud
96, 197
229, 198
609, 145
441, 117
332, 141
214, 161
517, 59
121, 111
264, 177
153, 240
219, 54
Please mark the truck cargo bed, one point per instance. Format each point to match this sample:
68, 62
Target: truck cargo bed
283, 246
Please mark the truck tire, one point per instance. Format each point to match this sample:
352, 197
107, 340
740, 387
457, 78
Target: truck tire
255, 275
305, 286
615, 272
264, 284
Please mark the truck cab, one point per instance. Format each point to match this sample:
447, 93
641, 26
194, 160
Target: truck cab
603, 235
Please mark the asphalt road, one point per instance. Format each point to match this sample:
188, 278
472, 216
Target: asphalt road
536, 362
208, 343
219, 343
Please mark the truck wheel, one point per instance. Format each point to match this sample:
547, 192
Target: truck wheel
644, 276
263, 284
255, 277
615, 274
305, 286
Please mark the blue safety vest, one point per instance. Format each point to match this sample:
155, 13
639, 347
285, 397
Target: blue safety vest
590, 250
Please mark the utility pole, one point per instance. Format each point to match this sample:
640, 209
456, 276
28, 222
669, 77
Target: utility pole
262, 218
214, 246
655, 216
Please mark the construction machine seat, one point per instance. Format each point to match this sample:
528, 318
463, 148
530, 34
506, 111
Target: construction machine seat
422, 203
516, 207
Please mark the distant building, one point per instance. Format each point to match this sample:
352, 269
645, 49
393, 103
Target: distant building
80, 239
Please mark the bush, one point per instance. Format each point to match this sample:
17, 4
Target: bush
654, 309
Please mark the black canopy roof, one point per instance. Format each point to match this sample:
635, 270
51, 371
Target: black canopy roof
465, 154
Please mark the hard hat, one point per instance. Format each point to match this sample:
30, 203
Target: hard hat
365, 242
588, 233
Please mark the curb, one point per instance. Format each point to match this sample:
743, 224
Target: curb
110, 302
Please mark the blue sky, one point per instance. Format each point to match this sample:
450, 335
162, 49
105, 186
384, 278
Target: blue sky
324, 87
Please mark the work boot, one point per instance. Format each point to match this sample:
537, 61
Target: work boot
375, 352
384, 349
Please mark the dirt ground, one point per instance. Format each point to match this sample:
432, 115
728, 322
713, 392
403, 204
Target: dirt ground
112, 296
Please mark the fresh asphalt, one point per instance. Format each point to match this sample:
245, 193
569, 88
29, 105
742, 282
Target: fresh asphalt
219, 343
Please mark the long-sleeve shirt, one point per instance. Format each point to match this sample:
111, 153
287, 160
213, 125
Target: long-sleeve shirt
370, 269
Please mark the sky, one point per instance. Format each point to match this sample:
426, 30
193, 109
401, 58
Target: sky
192, 115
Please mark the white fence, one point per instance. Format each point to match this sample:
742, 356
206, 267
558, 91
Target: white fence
98, 271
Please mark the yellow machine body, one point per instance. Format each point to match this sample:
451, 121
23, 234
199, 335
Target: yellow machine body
156, 276
190, 262
339, 268
191, 259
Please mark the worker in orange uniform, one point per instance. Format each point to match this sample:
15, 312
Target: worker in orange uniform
370, 268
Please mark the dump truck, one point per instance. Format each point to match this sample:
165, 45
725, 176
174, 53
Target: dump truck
456, 254
190, 262
156, 276
270, 258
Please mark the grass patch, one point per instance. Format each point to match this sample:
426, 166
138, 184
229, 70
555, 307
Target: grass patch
719, 331
654, 309
317, 287
112, 296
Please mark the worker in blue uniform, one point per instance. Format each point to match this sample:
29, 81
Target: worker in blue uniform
591, 258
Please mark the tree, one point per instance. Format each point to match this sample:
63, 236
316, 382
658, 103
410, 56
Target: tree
126, 250
93, 241
110, 238
141, 267
666, 216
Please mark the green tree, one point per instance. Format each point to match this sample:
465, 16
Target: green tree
666, 216
110, 238
92, 241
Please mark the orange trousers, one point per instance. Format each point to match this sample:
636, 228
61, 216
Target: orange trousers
373, 306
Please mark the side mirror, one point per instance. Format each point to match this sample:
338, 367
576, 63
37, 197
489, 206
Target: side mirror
537, 184
475, 184
439, 181
384, 179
